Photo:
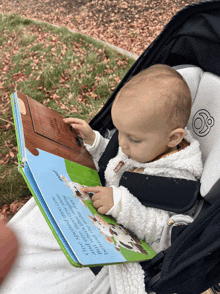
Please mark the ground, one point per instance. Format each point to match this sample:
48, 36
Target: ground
128, 24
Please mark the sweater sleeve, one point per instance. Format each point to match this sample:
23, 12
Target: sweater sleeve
98, 147
146, 222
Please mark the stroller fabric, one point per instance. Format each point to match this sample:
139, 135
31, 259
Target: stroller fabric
204, 122
192, 264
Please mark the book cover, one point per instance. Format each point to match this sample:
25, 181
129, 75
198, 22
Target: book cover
55, 165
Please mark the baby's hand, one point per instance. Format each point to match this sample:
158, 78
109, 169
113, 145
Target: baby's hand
83, 128
102, 199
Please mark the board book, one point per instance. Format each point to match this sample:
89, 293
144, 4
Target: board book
55, 164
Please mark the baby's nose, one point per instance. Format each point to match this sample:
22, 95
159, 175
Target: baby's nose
123, 143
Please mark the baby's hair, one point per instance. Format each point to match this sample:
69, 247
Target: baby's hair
174, 94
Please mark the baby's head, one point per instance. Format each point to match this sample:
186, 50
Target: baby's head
151, 112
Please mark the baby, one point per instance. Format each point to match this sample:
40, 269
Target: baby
150, 113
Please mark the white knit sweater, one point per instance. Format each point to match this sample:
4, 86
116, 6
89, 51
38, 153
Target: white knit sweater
147, 223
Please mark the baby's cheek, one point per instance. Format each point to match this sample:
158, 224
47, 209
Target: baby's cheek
140, 154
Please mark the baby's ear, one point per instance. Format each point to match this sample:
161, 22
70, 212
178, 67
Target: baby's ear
176, 136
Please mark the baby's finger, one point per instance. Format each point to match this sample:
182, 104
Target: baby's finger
75, 123
75, 120
97, 204
102, 210
95, 189
95, 197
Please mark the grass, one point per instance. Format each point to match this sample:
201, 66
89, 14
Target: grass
71, 73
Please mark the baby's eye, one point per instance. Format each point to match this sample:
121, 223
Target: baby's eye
134, 141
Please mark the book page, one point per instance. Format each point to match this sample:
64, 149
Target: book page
55, 180
61, 240
94, 238
18, 125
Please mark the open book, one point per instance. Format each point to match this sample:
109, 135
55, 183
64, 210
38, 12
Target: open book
55, 164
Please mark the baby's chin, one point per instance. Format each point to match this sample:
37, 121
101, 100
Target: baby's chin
137, 159
125, 153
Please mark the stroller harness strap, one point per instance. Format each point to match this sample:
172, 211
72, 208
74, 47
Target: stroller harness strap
153, 191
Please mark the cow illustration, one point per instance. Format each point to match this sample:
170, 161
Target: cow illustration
76, 189
122, 236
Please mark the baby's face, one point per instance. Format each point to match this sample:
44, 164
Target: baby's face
142, 135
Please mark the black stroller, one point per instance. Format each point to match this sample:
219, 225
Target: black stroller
191, 43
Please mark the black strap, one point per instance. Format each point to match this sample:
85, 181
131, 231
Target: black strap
96, 269
171, 194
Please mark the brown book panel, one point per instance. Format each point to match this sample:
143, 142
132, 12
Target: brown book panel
44, 129
48, 123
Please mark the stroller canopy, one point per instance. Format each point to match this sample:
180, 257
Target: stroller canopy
191, 37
